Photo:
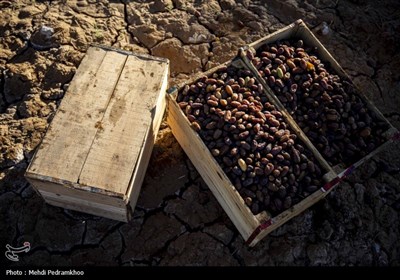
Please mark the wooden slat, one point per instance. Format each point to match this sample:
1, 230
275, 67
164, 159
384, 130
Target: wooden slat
67, 142
151, 137
86, 206
42, 183
121, 135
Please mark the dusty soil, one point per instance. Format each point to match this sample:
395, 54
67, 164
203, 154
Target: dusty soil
177, 220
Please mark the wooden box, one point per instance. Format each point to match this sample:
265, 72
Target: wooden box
252, 227
94, 155
255, 227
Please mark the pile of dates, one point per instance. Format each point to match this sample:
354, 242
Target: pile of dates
268, 165
323, 104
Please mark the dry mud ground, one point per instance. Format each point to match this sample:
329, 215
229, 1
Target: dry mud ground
177, 220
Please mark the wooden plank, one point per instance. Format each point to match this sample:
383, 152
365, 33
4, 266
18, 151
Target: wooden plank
42, 183
65, 147
210, 171
86, 206
151, 137
114, 153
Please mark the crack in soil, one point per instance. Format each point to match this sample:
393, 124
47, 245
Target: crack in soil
138, 262
125, 3
76, 10
337, 12
231, 249
123, 247
76, 247
111, 230
84, 233
21, 190
277, 18
234, 251
115, 39
147, 214
356, 74
373, 79
158, 254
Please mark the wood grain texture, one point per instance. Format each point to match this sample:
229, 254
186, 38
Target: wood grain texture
114, 153
49, 184
84, 205
151, 137
66, 145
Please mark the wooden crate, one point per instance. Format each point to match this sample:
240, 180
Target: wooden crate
299, 30
252, 227
94, 155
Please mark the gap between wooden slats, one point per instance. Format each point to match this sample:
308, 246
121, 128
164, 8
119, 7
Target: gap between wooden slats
67, 142
113, 155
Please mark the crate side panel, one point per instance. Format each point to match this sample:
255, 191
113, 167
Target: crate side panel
48, 185
82, 205
66, 144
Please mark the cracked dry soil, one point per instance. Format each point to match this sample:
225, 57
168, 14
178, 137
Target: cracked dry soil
177, 220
